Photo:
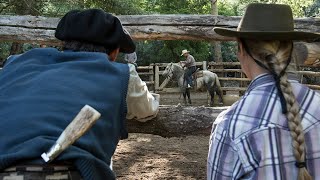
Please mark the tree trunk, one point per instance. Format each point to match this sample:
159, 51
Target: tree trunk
178, 121
216, 45
16, 48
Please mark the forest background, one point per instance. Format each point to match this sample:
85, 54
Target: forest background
155, 51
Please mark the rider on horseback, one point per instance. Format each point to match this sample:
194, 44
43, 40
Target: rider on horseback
190, 65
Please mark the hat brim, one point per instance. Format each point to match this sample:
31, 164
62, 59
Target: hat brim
184, 53
274, 35
126, 44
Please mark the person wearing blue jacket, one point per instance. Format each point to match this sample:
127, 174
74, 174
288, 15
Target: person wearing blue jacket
43, 89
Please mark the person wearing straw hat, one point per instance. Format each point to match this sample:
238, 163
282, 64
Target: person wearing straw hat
273, 131
190, 65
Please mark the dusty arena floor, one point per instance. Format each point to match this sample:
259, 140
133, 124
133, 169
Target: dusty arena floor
150, 157
197, 98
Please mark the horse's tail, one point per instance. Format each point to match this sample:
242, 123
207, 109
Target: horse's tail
218, 86
217, 82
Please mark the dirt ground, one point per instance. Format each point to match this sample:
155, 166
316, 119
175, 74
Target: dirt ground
149, 157
197, 98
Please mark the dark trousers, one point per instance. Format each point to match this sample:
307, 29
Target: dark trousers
188, 74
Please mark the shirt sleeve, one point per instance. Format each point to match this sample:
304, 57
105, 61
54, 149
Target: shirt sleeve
141, 104
223, 159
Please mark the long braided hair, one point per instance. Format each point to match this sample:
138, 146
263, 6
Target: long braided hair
275, 56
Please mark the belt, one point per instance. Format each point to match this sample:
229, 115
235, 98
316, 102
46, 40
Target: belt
46, 171
40, 168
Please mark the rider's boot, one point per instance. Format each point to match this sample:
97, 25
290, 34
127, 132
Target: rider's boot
185, 102
189, 101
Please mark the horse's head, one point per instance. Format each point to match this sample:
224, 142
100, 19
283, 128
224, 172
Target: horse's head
168, 71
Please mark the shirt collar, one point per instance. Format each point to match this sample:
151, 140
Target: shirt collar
266, 78
260, 80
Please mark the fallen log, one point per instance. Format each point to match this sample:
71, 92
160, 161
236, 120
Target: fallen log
141, 27
308, 53
173, 121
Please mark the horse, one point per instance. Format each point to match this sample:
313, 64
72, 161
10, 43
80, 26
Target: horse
208, 81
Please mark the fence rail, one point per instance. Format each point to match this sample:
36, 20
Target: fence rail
152, 76
230, 75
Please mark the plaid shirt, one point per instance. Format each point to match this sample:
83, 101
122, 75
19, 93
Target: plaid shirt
252, 140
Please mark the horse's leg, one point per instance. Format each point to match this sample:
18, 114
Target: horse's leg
211, 92
188, 94
210, 89
219, 93
184, 98
218, 90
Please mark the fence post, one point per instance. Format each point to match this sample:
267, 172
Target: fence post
151, 78
156, 78
204, 65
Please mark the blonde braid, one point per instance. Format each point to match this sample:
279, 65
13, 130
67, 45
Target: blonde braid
275, 55
293, 116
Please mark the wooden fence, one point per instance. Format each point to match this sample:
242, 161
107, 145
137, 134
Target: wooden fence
231, 77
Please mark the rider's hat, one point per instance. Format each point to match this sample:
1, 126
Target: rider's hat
184, 51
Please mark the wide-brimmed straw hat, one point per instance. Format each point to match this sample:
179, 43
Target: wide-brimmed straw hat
184, 51
267, 22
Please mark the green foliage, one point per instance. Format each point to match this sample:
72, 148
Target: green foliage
297, 6
227, 8
229, 50
4, 51
148, 52
57, 8
117, 6
313, 10
179, 6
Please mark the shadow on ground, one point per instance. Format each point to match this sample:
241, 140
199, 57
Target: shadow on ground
144, 156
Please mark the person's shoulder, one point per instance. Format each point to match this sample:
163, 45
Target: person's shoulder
190, 56
42, 50
241, 118
224, 117
132, 67
132, 71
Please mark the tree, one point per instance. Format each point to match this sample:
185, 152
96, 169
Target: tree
216, 45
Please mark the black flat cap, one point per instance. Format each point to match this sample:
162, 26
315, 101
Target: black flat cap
97, 27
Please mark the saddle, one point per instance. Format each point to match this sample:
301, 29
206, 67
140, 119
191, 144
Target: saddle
197, 74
